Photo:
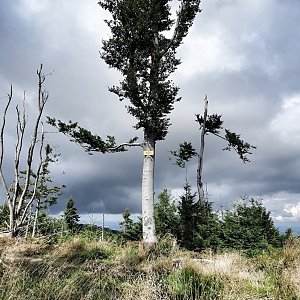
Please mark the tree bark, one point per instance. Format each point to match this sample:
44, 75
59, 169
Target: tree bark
35, 218
149, 235
201, 154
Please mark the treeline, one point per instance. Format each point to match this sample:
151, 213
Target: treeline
248, 226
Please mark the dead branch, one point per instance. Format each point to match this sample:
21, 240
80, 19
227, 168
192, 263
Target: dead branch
4, 183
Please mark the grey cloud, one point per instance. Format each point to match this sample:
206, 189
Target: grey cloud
265, 35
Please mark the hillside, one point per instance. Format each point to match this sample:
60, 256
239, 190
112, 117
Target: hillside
82, 267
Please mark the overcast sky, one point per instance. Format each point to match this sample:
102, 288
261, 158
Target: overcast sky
243, 54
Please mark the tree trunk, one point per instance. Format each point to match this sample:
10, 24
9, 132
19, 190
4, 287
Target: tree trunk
149, 235
35, 219
201, 154
12, 222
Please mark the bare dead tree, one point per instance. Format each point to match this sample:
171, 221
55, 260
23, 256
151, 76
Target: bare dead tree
21, 193
210, 124
201, 153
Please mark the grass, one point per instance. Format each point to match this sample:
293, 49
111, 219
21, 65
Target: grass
83, 267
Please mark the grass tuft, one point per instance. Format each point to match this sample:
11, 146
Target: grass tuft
82, 267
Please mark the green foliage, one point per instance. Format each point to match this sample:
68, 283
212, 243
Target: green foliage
166, 214
131, 231
89, 141
70, 216
4, 216
250, 227
200, 228
48, 225
241, 147
187, 284
213, 123
209, 228
90, 232
188, 217
139, 49
184, 154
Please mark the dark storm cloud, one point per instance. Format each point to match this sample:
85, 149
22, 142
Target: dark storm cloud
243, 55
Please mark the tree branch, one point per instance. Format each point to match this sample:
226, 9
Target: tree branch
4, 183
185, 17
42, 99
89, 141
37, 177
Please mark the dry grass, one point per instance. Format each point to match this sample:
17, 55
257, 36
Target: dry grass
78, 268
147, 287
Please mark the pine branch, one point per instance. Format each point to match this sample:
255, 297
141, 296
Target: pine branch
241, 147
185, 152
89, 141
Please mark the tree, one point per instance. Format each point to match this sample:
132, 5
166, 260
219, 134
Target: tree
145, 56
200, 228
71, 216
48, 225
18, 194
166, 214
46, 195
131, 231
188, 217
249, 226
127, 222
210, 124
208, 230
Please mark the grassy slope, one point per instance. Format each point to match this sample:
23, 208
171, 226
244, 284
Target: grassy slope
84, 268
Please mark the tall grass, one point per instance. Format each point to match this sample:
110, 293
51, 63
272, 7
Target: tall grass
83, 267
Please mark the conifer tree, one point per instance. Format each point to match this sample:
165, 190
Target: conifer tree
166, 214
71, 216
126, 224
188, 217
131, 231
249, 226
200, 228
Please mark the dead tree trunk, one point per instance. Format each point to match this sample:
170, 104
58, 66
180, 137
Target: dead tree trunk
201, 154
17, 193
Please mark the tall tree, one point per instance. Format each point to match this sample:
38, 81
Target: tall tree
141, 50
188, 217
71, 216
199, 226
166, 214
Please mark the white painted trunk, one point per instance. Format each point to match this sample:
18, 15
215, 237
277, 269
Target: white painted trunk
149, 235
